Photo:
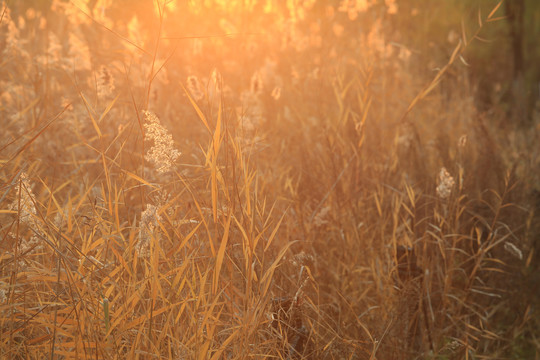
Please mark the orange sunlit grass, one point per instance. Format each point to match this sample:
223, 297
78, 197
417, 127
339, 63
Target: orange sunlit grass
265, 179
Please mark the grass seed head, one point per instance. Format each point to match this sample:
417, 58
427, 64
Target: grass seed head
446, 183
162, 154
25, 205
195, 88
105, 84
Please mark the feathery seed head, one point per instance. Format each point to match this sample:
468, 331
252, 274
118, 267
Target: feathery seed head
513, 249
105, 84
446, 183
462, 141
149, 222
162, 154
195, 88
25, 205
3, 297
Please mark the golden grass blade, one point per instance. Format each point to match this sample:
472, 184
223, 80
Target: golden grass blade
214, 190
138, 178
145, 317
90, 114
174, 250
267, 277
108, 108
464, 37
120, 258
274, 232
494, 10
216, 142
480, 17
217, 133
197, 109
225, 344
241, 228
221, 255
378, 204
200, 212
435, 80
498, 18
248, 181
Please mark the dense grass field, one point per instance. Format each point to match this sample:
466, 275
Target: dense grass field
267, 179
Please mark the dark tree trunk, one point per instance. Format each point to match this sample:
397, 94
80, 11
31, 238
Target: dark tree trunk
515, 11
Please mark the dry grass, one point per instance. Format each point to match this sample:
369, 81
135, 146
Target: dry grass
319, 196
